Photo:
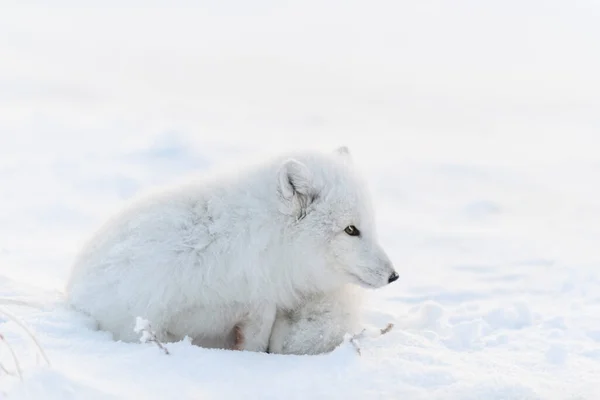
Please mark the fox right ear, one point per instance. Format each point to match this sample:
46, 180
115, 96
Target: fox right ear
295, 186
343, 152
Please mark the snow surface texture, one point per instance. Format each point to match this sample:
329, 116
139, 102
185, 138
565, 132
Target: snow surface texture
475, 122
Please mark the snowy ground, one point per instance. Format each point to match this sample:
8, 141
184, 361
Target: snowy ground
476, 124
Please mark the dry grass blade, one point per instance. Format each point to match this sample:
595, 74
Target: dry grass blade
160, 345
354, 339
143, 326
387, 328
22, 303
18, 371
29, 333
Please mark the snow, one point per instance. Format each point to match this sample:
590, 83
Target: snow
475, 122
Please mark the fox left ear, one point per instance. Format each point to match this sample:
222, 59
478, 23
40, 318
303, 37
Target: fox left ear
295, 188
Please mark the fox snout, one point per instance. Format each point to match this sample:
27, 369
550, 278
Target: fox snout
390, 274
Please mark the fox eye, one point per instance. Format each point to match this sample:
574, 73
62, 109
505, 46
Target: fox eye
352, 230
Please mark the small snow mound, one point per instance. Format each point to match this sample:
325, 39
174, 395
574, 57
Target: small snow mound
516, 317
556, 334
466, 335
594, 354
594, 335
555, 323
431, 317
499, 340
482, 209
557, 354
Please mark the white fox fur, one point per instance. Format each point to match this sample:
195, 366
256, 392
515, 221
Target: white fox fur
215, 257
319, 324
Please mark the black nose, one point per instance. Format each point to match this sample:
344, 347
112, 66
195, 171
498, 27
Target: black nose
393, 277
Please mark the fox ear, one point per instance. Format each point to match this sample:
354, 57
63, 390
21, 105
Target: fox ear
344, 152
294, 179
295, 186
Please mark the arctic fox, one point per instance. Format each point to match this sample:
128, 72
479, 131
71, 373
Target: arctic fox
214, 258
319, 324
